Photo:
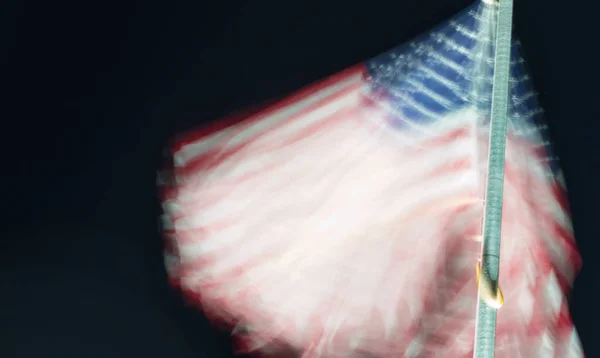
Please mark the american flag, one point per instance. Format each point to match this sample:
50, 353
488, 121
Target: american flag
344, 221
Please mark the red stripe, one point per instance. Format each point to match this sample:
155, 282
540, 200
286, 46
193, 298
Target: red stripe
221, 153
270, 109
223, 188
536, 326
453, 167
444, 139
199, 164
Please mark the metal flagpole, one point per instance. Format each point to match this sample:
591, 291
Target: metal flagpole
485, 331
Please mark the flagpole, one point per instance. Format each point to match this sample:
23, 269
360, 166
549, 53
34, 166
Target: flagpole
485, 331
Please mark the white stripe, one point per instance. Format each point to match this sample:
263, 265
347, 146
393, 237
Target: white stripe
574, 349
237, 166
456, 89
327, 168
441, 100
192, 150
313, 117
468, 33
452, 45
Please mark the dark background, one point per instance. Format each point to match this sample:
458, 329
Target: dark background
93, 91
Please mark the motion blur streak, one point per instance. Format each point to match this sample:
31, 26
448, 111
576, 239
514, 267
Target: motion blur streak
342, 222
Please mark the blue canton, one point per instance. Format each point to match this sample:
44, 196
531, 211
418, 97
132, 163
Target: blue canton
451, 68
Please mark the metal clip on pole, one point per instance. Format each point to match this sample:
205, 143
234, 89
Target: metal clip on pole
488, 291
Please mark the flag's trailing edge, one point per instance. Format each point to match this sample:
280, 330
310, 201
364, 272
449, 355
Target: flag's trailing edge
410, 126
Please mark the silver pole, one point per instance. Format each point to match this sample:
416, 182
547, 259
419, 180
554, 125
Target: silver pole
485, 331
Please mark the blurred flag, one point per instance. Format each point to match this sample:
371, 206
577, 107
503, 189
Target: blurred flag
345, 220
